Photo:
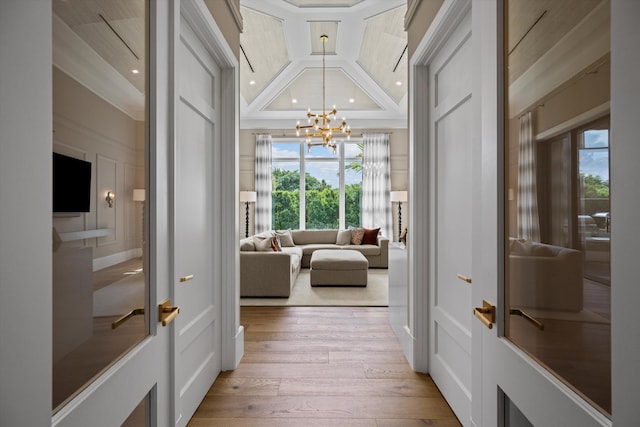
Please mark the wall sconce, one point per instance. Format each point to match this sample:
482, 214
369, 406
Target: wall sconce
111, 196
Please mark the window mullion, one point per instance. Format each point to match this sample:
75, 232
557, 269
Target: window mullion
302, 203
341, 212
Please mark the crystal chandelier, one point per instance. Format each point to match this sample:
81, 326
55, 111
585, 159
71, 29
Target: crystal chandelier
319, 125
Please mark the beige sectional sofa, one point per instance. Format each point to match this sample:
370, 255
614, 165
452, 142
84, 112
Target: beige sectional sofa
544, 276
266, 273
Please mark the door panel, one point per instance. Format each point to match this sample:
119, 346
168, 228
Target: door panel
501, 363
197, 289
450, 316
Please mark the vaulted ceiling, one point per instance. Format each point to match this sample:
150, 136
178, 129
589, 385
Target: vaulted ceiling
365, 62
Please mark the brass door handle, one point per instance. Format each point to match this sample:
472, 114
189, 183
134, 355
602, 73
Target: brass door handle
464, 278
167, 313
517, 312
486, 314
125, 317
186, 278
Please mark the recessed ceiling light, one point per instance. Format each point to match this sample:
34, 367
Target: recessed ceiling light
398, 83
351, 100
252, 82
295, 101
134, 71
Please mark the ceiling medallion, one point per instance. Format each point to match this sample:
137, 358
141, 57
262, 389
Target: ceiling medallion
319, 125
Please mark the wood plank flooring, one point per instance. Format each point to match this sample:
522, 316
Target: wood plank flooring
322, 366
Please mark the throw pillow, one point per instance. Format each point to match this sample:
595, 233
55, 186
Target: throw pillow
275, 245
263, 245
286, 240
356, 236
370, 236
247, 245
519, 247
344, 237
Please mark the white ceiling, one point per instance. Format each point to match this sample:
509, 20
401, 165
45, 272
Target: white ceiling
281, 62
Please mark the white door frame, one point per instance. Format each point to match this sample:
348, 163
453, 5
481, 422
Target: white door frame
199, 18
451, 14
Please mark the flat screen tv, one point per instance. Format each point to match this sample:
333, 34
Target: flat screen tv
71, 184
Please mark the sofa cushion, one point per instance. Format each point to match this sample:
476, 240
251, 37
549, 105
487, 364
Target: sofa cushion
305, 237
370, 236
356, 236
309, 249
286, 240
344, 237
295, 250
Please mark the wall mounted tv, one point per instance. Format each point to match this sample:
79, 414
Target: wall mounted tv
71, 184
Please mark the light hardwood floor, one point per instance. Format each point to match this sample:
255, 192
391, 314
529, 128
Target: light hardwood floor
322, 366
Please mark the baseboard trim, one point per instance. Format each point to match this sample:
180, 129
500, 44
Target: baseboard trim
109, 260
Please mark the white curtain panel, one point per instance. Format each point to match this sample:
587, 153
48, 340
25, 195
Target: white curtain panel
263, 183
528, 220
376, 183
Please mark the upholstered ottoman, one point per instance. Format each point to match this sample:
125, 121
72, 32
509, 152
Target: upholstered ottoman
331, 267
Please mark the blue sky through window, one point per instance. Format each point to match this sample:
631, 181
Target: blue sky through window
594, 158
321, 163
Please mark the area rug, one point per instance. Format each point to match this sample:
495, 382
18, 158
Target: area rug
119, 297
375, 294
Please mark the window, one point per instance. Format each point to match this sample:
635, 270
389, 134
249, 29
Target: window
316, 189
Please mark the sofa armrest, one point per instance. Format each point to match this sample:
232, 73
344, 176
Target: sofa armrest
383, 242
265, 274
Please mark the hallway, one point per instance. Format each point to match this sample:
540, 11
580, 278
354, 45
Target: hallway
320, 366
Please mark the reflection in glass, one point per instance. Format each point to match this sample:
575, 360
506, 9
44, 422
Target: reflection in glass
558, 280
98, 255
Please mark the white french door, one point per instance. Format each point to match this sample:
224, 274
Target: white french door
511, 387
197, 276
451, 136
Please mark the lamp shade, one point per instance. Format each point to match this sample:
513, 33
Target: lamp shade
247, 196
138, 194
399, 196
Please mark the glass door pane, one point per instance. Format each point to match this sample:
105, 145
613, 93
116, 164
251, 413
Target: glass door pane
100, 289
557, 261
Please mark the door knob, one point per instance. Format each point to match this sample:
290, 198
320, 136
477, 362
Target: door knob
486, 314
167, 313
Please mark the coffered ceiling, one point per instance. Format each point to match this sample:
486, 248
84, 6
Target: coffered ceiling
365, 62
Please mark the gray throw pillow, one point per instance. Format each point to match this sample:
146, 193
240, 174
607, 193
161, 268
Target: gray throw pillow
286, 240
344, 237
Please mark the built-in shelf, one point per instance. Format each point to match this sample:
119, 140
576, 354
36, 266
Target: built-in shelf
70, 236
